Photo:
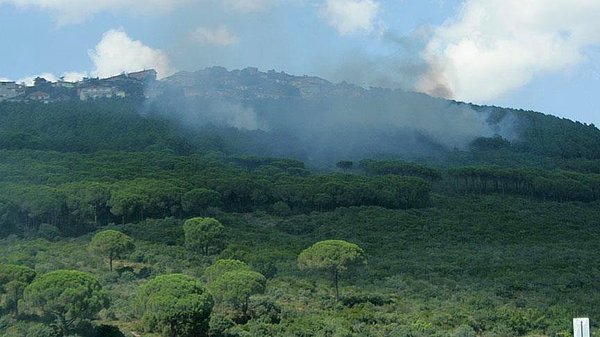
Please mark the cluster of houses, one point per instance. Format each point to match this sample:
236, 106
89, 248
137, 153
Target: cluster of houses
250, 83
124, 85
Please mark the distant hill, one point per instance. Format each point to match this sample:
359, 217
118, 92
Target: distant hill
275, 114
250, 83
309, 118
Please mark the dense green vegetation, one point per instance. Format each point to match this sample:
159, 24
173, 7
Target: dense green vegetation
331, 256
68, 296
111, 244
496, 241
174, 304
77, 192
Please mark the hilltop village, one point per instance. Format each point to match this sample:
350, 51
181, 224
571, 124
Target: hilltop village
212, 82
120, 86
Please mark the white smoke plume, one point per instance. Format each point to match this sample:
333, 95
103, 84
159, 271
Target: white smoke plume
495, 46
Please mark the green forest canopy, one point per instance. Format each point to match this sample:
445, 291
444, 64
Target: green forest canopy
476, 242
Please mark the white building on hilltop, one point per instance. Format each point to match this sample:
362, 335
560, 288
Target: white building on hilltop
96, 92
9, 90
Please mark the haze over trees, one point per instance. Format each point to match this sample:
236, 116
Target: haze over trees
344, 165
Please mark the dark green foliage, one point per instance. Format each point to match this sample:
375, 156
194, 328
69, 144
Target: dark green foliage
35, 330
85, 127
112, 245
219, 324
327, 192
174, 305
281, 208
140, 198
68, 296
381, 167
236, 287
220, 267
197, 201
376, 300
481, 244
490, 144
555, 185
331, 256
64, 190
48, 232
557, 137
480, 261
108, 331
86, 199
264, 309
578, 165
251, 163
13, 280
167, 231
18, 140
344, 165
202, 233
540, 134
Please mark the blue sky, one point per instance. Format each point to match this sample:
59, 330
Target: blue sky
533, 54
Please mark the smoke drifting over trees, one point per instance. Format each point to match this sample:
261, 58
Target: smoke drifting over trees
316, 120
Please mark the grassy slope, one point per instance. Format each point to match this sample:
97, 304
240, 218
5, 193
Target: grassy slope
492, 262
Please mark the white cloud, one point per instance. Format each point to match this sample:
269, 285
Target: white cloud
220, 36
71, 76
495, 46
117, 53
74, 76
28, 80
114, 54
77, 11
350, 16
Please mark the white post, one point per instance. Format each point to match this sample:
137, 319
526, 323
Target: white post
581, 327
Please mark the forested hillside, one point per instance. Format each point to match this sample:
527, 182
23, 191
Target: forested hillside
116, 220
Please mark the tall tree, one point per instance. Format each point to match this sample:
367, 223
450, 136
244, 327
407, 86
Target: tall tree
68, 295
111, 244
220, 267
86, 199
174, 305
332, 256
202, 233
13, 280
196, 201
237, 286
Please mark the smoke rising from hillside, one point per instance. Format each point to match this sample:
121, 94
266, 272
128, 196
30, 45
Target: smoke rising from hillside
217, 112
404, 67
339, 122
